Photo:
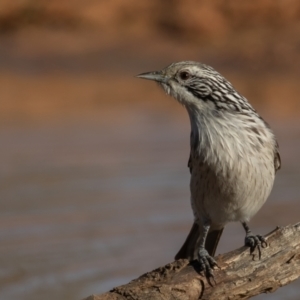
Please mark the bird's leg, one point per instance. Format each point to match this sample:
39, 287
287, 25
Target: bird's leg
254, 241
207, 263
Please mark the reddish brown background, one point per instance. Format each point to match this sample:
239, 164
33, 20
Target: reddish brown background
63, 57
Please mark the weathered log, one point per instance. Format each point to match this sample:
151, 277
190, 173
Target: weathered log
240, 276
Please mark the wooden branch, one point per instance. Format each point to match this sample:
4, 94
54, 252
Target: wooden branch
240, 276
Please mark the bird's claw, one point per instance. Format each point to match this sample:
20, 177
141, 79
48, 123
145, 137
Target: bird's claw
207, 263
255, 241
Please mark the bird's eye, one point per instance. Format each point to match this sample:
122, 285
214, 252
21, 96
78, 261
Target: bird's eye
184, 75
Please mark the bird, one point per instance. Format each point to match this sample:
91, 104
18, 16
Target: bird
234, 156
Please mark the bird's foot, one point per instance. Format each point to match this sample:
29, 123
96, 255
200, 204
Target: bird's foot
255, 241
207, 263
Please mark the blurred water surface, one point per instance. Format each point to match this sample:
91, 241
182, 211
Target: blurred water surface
92, 203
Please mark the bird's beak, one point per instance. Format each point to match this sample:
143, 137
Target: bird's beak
156, 76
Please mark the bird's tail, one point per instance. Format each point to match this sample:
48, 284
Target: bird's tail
190, 248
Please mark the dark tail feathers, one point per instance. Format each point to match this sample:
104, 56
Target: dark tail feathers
190, 248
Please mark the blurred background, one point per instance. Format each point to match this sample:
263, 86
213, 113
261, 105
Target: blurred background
94, 178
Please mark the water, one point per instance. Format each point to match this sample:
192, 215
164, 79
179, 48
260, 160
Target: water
91, 203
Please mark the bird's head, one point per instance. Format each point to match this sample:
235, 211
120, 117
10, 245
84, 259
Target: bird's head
199, 86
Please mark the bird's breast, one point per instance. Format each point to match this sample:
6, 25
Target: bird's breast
232, 172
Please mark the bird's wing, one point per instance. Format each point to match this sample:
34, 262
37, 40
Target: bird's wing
277, 159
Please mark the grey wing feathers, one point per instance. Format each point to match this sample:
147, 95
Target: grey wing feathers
277, 159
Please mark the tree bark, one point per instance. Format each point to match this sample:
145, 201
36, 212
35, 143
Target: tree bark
240, 276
